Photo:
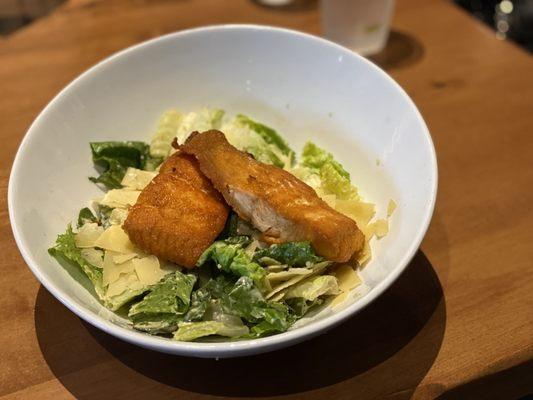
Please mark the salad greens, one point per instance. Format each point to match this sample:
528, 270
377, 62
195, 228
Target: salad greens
241, 288
269, 135
162, 307
85, 215
114, 158
229, 256
65, 247
291, 253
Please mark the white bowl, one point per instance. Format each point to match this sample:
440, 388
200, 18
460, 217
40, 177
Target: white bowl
304, 86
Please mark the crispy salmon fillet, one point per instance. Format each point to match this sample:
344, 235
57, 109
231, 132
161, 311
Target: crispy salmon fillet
273, 200
179, 214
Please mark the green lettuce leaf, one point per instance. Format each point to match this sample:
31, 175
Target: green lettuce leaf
315, 158
200, 121
229, 256
200, 300
103, 214
161, 143
114, 158
246, 301
336, 183
299, 306
65, 247
268, 134
86, 215
189, 331
290, 253
162, 308
263, 143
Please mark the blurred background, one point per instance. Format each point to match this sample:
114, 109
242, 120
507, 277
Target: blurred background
510, 19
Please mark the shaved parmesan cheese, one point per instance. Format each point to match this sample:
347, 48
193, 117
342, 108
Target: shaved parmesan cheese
275, 268
115, 239
278, 297
317, 268
125, 282
314, 287
93, 256
391, 207
87, 235
359, 211
365, 254
270, 262
118, 216
348, 280
122, 258
112, 270
137, 179
380, 227
120, 198
149, 270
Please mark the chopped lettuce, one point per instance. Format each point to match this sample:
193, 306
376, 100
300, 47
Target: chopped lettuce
161, 143
200, 300
162, 308
86, 215
315, 158
203, 120
291, 253
299, 306
246, 301
245, 138
319, 169
117, 301
193, 330
114, 158
336, 183
65, 247
229, 256
104, 214
268, 134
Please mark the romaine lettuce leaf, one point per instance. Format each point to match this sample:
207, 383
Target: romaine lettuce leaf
104, 214
65, 247
246, 139
189, 331
336, 183
229, 256
268, 134
200, 300
161, 143
86, 215
200, 121
114, 158
246, 301
290, 253
299, 306
162, 308
315, 158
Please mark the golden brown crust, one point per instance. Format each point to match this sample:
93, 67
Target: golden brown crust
179, 214
273, 200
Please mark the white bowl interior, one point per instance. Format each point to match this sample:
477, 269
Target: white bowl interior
305, 87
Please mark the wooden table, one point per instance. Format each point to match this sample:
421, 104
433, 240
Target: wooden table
457, 324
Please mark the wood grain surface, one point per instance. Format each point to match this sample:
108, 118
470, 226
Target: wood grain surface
457, 324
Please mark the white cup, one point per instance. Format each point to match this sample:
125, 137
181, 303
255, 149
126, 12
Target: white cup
360, 25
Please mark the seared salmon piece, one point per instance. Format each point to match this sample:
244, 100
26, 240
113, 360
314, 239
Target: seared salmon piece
274, 201
179, 214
